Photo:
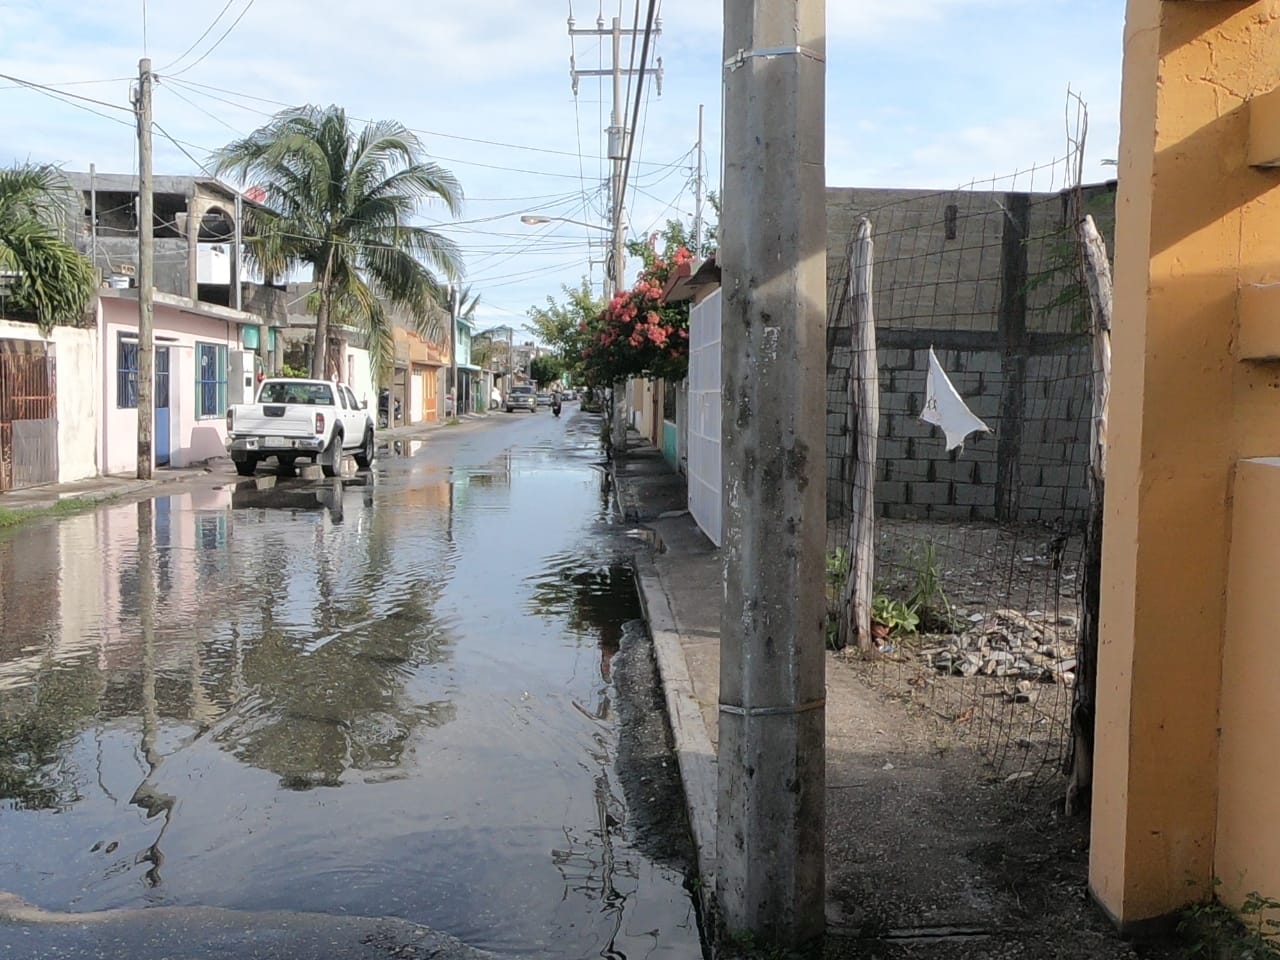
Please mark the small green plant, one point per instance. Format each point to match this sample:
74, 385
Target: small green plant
928, 599
1214, 931
298, 373
897, 616
837, 566
63, 508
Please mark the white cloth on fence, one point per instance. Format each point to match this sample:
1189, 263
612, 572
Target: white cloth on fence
944, 408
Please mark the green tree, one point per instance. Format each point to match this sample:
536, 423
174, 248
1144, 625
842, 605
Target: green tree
51, 281
340, 200
561, 325
546, 369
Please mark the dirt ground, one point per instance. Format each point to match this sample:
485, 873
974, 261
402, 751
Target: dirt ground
932, 852
1011, 594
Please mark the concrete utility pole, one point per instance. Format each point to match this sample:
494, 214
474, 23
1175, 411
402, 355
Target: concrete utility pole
146, 276
771, 804
615, 267
619, 135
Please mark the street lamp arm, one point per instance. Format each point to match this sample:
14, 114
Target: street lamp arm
532, 220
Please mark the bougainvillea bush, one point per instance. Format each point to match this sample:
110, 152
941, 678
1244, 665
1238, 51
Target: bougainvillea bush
638, 335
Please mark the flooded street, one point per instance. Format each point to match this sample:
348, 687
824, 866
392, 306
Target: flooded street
425, 694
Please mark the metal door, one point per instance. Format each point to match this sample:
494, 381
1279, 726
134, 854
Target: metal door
28, 415
162, 406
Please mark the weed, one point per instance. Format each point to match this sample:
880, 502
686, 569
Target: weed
12, 518
1213, 931
838, 567
898, 616
928, 600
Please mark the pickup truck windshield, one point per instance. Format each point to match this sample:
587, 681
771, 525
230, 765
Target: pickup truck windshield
315, 394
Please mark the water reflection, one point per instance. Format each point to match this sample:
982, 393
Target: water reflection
297, 659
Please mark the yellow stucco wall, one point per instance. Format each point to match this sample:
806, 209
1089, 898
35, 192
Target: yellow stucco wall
1194, 222
1247, 849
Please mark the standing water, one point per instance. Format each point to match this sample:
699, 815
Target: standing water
427, 695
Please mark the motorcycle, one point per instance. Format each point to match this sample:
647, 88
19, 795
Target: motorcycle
555, 406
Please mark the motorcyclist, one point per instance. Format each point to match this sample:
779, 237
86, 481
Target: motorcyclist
555, 402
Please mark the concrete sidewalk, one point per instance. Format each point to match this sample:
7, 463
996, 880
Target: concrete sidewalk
927, 856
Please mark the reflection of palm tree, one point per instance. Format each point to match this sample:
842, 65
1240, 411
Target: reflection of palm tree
596, 600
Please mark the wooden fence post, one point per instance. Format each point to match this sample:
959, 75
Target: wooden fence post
863, 419
1097, 270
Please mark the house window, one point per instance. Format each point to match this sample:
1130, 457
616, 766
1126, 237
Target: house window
211, 380
126, 373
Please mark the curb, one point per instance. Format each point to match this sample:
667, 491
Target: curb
695, 755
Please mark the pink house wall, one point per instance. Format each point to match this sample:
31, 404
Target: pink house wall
191, 439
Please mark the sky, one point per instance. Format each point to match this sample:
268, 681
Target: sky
920, 93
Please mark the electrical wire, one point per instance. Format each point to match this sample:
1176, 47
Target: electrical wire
195, 106
207, 31
201, 89
195, 63
635, 116
45, 88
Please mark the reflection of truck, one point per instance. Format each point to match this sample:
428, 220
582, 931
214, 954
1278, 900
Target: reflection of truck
313, 419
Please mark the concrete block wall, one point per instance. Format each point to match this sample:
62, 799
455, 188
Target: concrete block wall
1043, 460
990, 281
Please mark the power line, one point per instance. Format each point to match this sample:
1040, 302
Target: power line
62, 93
72, 83
207, 30
196, 106
218, 42
635, 115
202, 87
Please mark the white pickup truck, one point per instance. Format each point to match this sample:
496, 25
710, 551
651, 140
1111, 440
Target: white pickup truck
315, 419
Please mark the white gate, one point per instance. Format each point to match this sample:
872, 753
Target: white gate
704, 415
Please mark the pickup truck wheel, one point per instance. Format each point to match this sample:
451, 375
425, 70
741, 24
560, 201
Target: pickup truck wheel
364, 456
331, 459
246, 467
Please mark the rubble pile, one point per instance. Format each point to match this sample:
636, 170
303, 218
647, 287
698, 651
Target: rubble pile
1006, 643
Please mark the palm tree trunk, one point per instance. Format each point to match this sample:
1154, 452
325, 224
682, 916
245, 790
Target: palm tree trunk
320, 355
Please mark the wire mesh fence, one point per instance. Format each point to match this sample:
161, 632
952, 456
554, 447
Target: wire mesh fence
975, 585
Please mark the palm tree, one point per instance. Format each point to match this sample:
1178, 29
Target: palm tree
51, 281
339, 201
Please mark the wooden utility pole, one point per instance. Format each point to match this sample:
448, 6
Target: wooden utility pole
453, 347
771, 807
863, 420
697, 194
1097, 271
146, 276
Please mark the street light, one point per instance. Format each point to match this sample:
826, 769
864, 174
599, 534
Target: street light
531, 220
613, 263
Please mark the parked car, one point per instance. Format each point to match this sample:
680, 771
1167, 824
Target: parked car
522, 397
293, 419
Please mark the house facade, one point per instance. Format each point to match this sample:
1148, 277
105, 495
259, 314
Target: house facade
202, 366
420, 372
50, 401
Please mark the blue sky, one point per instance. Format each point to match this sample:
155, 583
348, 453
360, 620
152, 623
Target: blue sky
920, 93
